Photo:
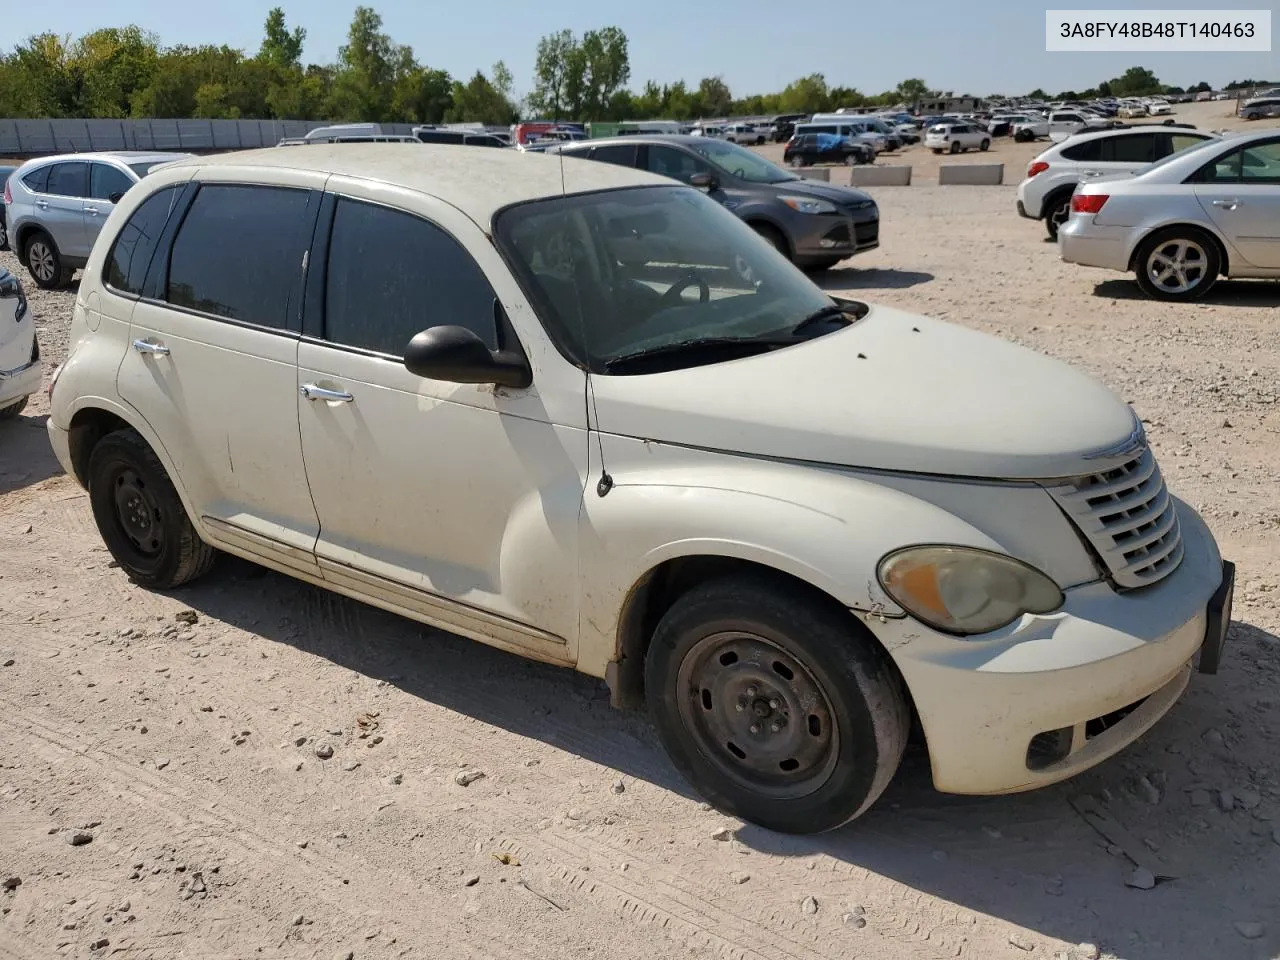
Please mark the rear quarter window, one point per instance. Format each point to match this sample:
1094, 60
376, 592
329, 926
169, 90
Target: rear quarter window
37, 179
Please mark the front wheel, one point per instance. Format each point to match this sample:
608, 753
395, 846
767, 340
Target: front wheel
4, 234
955, 148
1180, 263
775, 704
140, 515
984, 146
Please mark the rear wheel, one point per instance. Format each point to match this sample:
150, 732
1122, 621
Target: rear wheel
1057, 212
4, 234
955, 147
44, 263
140, 515
984, 146
12, 410
1180, 263
776, 705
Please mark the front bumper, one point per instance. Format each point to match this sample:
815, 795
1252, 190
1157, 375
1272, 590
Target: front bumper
20, 382
60, 440
1082, 241
1059, 693
824, 237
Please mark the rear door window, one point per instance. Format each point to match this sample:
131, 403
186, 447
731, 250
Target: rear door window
238, 253
622, 154
1138, 148
69, 179
1088, 152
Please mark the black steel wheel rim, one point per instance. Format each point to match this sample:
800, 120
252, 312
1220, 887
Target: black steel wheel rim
758, 715
137, 513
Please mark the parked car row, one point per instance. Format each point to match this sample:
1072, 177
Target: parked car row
673, 462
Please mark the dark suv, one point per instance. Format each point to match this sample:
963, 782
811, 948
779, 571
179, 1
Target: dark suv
806, 149
814, 224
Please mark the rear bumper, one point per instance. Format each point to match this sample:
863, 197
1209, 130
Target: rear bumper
1082, 241
20, 382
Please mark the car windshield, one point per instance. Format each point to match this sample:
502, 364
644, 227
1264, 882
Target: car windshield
741, 162
623, 275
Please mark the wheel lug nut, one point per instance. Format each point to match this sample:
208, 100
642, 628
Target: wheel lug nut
774, 727
752, 691
773, 704
739, 707
755, 728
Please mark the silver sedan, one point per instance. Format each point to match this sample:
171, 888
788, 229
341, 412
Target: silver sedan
1209, 211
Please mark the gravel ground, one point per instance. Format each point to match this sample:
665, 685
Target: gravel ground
163, 792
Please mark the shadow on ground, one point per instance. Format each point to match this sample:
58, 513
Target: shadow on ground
1028, 859
878, 278
1224, 293
25, 455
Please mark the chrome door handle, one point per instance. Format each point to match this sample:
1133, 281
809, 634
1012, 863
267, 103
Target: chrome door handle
148, 347
312, 392
1228, 204
91, 211
42, 204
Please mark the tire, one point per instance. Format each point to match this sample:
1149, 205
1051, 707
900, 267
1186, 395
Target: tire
774, 237
955, 147
4, 234
937, 150
12, 410
1057, 210
160, 549
1158, 256
984, 146
44, 263
812, 696
1024, 136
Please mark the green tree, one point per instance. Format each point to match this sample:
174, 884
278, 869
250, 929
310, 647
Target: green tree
714, 97
480, 101
1136, 82
912, 91
1104, 89
806, 95
280, 45
553, 61
368, 64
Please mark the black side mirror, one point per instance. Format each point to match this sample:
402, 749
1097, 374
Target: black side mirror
456, 355
116, 197
704, 181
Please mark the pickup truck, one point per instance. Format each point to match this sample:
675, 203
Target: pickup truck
1059, 125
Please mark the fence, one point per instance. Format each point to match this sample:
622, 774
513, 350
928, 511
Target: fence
35, 137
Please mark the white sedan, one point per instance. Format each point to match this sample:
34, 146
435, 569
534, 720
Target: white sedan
1209, 211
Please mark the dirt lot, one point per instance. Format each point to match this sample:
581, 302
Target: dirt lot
188, 751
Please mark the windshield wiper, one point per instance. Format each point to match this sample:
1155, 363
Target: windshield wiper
815, 318
696, 345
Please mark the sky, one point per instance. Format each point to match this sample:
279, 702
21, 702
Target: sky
758, 46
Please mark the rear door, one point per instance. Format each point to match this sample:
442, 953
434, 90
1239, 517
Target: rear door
62, 207
1241, 194
212, 364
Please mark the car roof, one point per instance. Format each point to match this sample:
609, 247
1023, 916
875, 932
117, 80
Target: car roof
123, 156
479, 181
1130, 131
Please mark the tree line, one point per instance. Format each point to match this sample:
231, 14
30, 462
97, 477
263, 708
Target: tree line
122, 72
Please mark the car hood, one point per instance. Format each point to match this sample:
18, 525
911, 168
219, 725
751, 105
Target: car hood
846, 196
894, 391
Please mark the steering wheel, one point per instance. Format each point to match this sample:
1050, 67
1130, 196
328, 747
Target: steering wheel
672, 297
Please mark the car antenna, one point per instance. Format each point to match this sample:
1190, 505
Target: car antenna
605, 483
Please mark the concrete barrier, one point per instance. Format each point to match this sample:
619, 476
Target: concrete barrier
897, 175
814, 173
971, 174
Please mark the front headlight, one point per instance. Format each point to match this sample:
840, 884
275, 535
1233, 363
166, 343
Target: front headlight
964, 590
808, 205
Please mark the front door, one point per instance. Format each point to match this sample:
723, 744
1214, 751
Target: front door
1241, 193
457, 503
62, 208
212, 364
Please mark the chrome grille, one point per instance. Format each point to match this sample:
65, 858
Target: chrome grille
1127, 515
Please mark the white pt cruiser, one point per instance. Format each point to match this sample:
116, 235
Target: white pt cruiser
586, 415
